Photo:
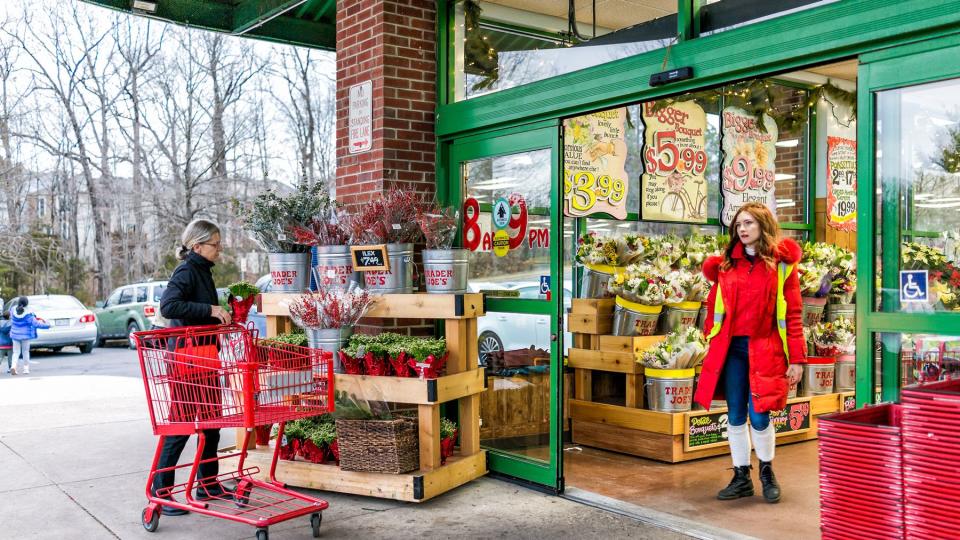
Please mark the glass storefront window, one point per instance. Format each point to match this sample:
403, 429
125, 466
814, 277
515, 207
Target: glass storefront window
918, 172
500, 44
922, 358
515, 408
719, 15
523, 181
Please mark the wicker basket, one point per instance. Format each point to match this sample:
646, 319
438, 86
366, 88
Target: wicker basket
386, 446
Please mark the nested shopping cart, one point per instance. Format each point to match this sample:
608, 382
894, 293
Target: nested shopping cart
208, 377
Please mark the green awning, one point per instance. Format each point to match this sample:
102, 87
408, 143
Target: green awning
309, 23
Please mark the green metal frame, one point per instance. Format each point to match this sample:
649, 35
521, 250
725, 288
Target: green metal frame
517, 140
913, 64
310, 24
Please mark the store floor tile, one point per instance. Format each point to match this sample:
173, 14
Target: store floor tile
688, 490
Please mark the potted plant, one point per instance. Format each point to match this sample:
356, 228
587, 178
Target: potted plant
326, 234
328, 316
641, 293
448, 438
445, 268
270, 217
394, 354
241, 298
390, 220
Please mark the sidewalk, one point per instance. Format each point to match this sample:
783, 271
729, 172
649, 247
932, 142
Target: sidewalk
75, 449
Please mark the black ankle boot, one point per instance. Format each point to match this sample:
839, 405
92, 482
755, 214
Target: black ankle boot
771, 489
740, 486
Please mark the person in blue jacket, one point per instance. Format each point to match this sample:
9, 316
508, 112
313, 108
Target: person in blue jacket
5, 342
23, 329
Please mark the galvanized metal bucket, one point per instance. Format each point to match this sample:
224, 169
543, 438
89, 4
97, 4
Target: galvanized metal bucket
818, 375
330, 339
595, 280
669, 390
813, 310
835, 311
290, 272
334, 268
678, 316
445, 271
846, 378
399, 279
633, 319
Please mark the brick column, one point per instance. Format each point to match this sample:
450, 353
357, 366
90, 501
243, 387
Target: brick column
391, 43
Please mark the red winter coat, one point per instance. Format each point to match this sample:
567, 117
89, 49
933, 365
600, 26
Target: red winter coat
768, 365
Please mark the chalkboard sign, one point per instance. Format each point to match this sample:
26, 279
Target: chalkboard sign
370, 258
709, 429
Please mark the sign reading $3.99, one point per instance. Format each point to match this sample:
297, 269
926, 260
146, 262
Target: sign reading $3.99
594, 164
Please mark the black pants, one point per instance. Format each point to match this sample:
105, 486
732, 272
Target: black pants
173, 446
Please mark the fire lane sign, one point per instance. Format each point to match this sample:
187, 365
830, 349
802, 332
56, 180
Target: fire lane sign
361, 118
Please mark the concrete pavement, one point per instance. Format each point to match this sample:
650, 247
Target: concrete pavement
75, 446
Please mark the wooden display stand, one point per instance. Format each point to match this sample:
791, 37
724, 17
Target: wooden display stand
630, 429
463, 382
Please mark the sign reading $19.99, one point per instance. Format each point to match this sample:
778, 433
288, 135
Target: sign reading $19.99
594, 164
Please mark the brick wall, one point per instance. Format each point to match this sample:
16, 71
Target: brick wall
792, 161
393, 44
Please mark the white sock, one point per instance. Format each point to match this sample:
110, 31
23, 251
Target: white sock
739, 445
765, 442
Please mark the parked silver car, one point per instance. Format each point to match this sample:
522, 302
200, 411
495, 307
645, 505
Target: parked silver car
71, 323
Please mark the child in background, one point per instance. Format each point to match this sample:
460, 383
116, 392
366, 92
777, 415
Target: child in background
6, 344
22, 330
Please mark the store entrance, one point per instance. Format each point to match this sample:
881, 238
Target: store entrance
650, 189
512, 230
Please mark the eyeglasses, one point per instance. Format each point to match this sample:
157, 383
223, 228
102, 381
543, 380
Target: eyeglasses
216, 245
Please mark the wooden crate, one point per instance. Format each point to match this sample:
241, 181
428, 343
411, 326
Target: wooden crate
463, 383
660, 436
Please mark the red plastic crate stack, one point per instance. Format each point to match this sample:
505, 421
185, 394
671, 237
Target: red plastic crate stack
861, 488
931, 459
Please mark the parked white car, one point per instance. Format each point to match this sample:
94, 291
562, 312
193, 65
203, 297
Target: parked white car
511, 331
71, 323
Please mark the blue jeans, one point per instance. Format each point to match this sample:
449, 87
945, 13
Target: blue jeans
736, 380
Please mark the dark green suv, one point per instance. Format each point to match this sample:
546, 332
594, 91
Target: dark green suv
129, 309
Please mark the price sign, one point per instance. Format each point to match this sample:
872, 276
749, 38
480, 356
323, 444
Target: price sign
674, 162
842, 183
594, 164
709, 429
749, 153
370, 258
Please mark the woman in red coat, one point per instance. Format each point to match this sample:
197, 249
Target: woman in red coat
754, 327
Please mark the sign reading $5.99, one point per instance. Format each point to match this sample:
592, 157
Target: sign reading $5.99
594, 160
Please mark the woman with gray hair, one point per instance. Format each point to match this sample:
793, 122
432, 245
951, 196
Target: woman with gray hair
190, 299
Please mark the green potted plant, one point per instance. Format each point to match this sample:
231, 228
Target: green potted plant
448, 438
270, 219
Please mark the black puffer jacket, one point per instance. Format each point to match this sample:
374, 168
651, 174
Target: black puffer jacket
190, 295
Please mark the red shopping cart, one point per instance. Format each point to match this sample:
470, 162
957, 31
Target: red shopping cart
207, 377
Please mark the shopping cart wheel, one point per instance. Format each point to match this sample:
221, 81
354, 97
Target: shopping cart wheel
262, 534
150, 524
315, 520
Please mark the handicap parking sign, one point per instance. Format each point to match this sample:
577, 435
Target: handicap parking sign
544, 284
913, 286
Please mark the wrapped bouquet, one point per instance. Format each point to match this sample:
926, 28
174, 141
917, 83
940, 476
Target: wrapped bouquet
834, 338
641, 283
682, 349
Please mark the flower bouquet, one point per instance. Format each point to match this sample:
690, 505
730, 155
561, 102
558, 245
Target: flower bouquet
241, 298
682, 349
693, 285
834, 338
445, 268
641, 283
698, 247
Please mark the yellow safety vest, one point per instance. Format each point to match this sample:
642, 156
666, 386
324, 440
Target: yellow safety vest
783, 272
